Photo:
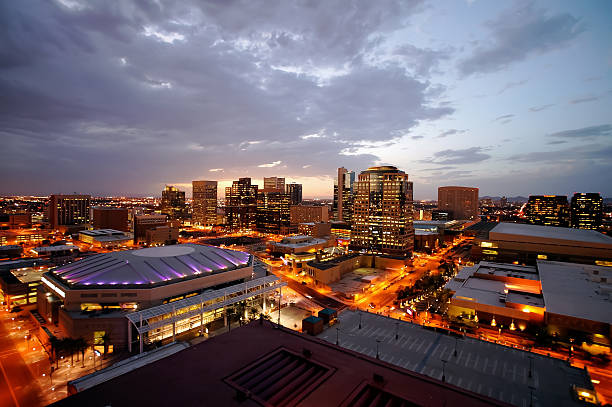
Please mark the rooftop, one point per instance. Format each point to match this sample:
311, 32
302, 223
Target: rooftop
102, 232
550, 232
259, 365
482, 367
151, 266
58, 248
577, 290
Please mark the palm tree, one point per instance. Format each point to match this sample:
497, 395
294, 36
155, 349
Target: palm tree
81, 346
55, 349
105, 342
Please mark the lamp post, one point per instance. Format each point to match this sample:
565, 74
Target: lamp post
360, 313
443, 370
530, 366
455, 353
337, 335
396, 331
377, 353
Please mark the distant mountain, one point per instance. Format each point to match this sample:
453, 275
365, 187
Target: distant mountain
520, 199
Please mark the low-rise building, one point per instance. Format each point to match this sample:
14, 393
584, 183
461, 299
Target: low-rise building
59, 254
565, 297
299, 244
318, 229
107, 238
510, 242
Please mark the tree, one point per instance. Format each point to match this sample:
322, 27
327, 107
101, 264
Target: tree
105, 342
81, 346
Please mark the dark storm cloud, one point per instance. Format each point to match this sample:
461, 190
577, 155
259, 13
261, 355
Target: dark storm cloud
604, 130
464, 156
143, 93
519, 33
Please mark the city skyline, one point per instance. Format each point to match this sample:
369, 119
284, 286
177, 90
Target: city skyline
512, 98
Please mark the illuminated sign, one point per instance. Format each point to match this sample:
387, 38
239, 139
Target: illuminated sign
53, 287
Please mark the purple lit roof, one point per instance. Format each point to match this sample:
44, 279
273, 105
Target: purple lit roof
151, 266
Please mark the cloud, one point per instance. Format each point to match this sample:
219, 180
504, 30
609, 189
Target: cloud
599, 154
270, 165
540, 108
416, 137
450, 132
215, 169
511, 85
554, 142
421, 61
604, 130
519, 33
464, 156
584, 99
504, 119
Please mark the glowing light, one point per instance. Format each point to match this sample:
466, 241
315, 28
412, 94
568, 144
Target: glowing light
493, 323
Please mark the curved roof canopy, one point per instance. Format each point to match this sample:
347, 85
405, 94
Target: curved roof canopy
152, 266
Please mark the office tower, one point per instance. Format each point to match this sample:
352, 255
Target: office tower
503, 202
382, 212
274, 184
343, 195
68, 210
547, 210
241, 204
295, 191
142, 223
586, 210
273, 214
460, 202
309, 213
107, 217
173, 203
204, 202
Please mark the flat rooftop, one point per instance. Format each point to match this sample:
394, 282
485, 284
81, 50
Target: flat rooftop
259, 364
151, 266
507, 270
102, 232
577, 290
485, 368
548, 232
51, 249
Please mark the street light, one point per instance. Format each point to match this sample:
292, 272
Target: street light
337, 335
455, 353
360, 313
530, 365
377, 354
443, 370
396, 331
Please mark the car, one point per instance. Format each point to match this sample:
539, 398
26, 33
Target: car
304, 282
371, 305
308, 296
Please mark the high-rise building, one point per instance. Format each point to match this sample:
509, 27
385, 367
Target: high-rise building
241, 205
173, 203
204, 202
295, 191
548, 210
107, 217
343, 195
142, 223
68, 210
586, 210
274, 184
309, 213
460, 202
273, 214
382, 212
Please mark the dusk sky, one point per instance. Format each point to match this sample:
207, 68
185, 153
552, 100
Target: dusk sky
120, 98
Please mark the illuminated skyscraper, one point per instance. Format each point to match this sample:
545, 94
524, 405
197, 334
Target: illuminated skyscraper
68, 210
273, 213
586, 211
547, 210
204, 202
173, 203
295, 191
382, 212
274, 184
241, 204
460, 202
343, 195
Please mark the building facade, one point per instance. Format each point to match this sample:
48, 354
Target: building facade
382, 212
274, 184
142, 223
547, 210
69, 210
241, 205
273, 213
204, 203
309, 213
586, 211
343, 195
106, 217
460, 202
295, 191
173, 203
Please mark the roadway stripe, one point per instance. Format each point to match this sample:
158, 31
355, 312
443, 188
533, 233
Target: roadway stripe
8, 384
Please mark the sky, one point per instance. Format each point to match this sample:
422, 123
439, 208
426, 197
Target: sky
122, 98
